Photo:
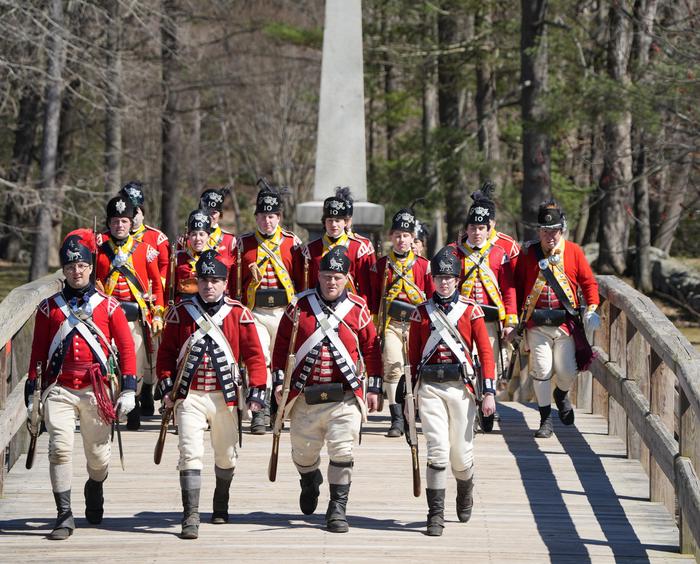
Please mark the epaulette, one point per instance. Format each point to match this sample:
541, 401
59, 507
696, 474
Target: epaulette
365, 318
246, 316
44, 306
500, 235
246, 234
527, 244
172, 315
364, 249
477, 312
466, 300
288, 233
162, 237
232, 302
151, 253
359, 300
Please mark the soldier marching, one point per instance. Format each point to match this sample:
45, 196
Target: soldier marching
324, 327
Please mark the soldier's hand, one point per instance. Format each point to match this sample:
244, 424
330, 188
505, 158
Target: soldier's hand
372, 401
30, 408
157, 327
508, 333
167, 402
125, 403
278, 394
488, 405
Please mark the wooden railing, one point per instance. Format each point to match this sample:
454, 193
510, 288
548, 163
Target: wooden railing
16, 329
646, 382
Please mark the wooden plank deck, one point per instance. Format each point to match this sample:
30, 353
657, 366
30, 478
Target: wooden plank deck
573, 498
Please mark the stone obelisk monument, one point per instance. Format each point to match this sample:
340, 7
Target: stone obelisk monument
341, 159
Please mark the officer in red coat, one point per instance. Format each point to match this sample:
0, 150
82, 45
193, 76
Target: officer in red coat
73, 335
549, 275
205, 338
146, 233
487, 277
336, 218
128, 271
198, 231
398, 282
506, 242
222, 241
444, 331
265, 275
326, 401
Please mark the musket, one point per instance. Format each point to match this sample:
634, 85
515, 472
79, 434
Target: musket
306, 273
410, 407
34, 423
114, 392
239, 276
515, 357
168, 411
286, 385
241, 402
172, 274
381, 314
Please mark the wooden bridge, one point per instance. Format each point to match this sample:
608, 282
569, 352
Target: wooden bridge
619, 486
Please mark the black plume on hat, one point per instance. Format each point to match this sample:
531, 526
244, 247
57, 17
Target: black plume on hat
199, 220
446, 262
212, 199
269, 199
484, 208
335, 260
344, 193
120, 206
422, 232
209, 265
134, 191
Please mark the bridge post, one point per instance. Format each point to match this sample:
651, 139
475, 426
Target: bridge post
617, 419
689, 437
638, 370
662, 404
599, 399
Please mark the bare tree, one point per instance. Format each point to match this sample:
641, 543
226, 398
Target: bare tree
113, 95
43, 239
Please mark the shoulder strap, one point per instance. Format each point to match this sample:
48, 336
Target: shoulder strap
543, 263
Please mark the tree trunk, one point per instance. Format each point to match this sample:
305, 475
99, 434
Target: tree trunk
451, 135
616, 178
15, 215
644, 15
170, 128
389, 83
486, 107
43, 239
536, 141
113, 87
679, 174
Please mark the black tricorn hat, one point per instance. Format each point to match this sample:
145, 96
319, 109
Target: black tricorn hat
335, 260
209, 265
446, 262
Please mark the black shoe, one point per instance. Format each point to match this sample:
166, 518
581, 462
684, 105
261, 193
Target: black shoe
221, 497
94, 501
133, 418
146, 400
436, 512
65, 523
396, 429
308, 498
566, 410
190, 517
546, 429
465, 499
336, 520
257, 423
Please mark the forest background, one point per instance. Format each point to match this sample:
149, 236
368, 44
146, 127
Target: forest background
594, 102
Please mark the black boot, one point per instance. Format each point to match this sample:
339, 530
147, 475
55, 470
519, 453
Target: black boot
133, 418
546, 428
436, 512
566, 410
257, 423
465, 499
64, 521
336, 521
221, 497
190, 505
94, 501
396, 429
146, 400
308, 498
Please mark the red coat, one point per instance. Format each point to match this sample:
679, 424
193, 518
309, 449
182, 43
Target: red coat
576, 267
185, 275
226, 247
361, 257
145, 267
421, 277
238, 328
499, 263
107, 316
158, 240
472, 328
358, 318
290, 249
508, 244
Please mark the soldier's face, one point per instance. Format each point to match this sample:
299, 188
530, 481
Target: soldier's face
120, 227
267, 222
477, 234
445, 286
198, 239
138, 219
77, 274
215, 216
549, 238
332, 284
417, 247
335, 226
401, 241
211, 289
